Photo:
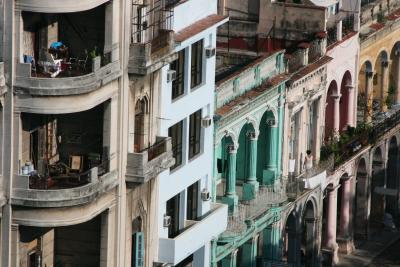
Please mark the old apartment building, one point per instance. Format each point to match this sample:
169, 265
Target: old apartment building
196, 132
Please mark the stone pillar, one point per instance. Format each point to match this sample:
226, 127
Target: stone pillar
250, 187
369, 77
14, 255
107, 257
293, 249
336, 113
350, 109
271, 242
331, 223
344, 239
270, 173
384, 84
231, 197
397, 78
249, 252
230, 260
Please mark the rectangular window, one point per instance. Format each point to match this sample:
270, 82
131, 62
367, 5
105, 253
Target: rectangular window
192, 201
173, 212
176, 134
197, 64
194, 134
178, 85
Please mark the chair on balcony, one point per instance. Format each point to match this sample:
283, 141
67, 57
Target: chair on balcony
51, 66
31, 60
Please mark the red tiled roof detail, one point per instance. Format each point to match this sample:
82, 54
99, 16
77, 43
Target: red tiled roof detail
198, 27
251, 94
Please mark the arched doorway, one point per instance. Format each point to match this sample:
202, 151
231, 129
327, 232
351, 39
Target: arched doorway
361, 204
290, 252
391, 177
365, 93
377, 181
380, 83
141, 124
308, 238
394, 75
332, 111
267, 149
346, 101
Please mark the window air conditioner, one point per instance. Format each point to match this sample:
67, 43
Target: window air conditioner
210, 52
205, 195
167, 221
171, 76
206, 122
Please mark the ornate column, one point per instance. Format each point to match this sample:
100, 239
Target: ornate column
384, 84
270, 172
336, 113
230, 260
339, 33
231, 197
249, 252
331, 223
250, 187
345, 239
350, 109
369, 77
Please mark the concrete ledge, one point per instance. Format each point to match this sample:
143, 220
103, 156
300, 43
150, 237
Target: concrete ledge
57, 6
25, 84
64, 197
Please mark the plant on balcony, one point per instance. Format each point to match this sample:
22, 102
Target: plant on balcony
381, 17
390, 96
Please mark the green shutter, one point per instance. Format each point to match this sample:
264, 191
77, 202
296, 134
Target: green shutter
138, 253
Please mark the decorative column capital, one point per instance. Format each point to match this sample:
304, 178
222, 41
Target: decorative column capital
369, 74
253, 135
232, 149
336, 97
349, 87
385, 63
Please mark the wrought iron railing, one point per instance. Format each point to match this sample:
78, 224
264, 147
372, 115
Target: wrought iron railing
156, 150
150, 22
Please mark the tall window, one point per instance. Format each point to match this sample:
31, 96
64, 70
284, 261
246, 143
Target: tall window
173, 212
197, 64
194, 134
178, 86
175, 132
192, 201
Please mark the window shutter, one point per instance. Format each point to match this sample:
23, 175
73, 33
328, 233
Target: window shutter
138, 239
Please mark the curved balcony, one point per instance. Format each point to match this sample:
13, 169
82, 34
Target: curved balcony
57, 6
62, 195
25, 83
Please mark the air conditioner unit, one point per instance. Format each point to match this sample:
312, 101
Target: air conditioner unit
167, 221
210, 52
206, 122
205, 195
171, 76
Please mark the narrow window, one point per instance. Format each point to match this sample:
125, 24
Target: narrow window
178, 86
192, 201
194, 134
173, 212
175, 132
197, 64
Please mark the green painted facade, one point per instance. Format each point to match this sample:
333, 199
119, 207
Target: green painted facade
247, 157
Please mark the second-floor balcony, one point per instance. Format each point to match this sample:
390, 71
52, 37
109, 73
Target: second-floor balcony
152, 38
149, 162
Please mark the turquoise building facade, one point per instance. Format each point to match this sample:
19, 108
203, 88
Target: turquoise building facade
248, 143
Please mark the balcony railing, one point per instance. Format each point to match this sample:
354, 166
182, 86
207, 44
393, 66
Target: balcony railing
151, 35
353, 140
267, 197
148, 163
